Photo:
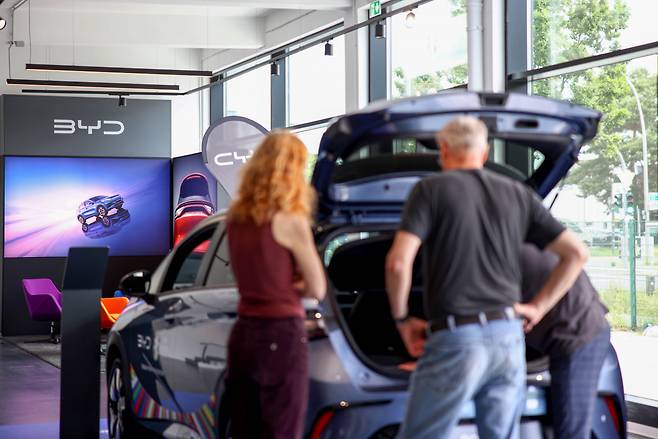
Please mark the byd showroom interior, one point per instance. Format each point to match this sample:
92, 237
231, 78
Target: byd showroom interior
329, 219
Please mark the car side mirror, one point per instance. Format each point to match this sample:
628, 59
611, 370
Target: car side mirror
136, 284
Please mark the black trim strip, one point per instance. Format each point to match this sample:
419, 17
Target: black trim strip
101, 92
582, 61
91, 84
105, 69
642, 414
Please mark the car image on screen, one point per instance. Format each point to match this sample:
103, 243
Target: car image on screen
193, 206
98, 207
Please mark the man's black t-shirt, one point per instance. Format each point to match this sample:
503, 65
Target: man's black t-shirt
473, 224
577, 317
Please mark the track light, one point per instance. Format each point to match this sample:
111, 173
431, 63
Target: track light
410, 20
3, 23
274, 69
122, 101
328, 49
380, 30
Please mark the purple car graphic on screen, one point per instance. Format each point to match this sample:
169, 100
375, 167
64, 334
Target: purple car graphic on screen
98, 207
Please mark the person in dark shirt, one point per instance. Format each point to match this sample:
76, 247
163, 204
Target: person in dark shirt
472, 224
576, 336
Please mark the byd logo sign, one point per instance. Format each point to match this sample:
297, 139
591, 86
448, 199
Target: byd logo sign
68, 126
232, 158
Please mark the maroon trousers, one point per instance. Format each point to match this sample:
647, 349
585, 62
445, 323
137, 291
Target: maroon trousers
267, 378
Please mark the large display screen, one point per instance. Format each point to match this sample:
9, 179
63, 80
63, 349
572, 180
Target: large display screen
55, 203
194, 194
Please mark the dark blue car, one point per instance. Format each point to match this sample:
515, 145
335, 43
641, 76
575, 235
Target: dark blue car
166, 354
98, 207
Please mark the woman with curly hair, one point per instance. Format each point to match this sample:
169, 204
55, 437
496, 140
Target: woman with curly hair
275, 263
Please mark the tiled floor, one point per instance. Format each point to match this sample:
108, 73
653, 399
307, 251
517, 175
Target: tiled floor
29, 402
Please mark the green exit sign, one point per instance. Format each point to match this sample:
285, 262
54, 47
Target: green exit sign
375, 8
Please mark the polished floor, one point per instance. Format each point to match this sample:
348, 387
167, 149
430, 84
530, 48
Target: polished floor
29, 400
29, 396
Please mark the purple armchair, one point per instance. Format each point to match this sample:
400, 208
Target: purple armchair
44, 302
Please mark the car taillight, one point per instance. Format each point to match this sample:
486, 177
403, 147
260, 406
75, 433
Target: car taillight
611, 403
321, 424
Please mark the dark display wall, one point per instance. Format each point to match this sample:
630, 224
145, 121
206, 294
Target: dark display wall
77, 128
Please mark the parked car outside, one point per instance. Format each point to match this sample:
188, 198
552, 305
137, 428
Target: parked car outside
166, 354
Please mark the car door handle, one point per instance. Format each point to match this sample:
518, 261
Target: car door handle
176, 306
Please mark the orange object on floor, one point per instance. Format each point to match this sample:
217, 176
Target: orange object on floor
111, 308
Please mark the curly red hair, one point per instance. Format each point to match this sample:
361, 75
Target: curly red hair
273, 181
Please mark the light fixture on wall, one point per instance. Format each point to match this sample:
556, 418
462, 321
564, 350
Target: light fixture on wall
3, 23
410, 20
122, 101
328, 49
274, 69
380, 30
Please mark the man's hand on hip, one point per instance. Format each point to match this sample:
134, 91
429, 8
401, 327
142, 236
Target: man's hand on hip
530, 314
414, 333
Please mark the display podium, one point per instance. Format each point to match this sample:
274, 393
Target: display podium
80, 329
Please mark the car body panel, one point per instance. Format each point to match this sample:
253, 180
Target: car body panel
556, 129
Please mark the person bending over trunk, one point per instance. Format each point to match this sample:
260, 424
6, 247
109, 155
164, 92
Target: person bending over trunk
472, 224
270, 241
576, 336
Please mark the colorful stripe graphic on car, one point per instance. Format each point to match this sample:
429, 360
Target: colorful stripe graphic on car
145, 406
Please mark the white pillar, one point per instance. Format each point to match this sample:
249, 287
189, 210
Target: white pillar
493, 34
475, 44
356, 60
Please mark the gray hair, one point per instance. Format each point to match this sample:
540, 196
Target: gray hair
464, 133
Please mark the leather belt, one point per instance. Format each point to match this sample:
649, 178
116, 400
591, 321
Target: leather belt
452, 321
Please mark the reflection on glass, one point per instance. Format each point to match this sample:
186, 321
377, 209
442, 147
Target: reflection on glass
564, 30
604, 200
431, 55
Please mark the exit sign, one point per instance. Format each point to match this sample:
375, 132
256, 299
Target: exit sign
375, 8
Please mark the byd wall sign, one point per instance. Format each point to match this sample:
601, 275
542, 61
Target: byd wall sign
227, 146
69, 126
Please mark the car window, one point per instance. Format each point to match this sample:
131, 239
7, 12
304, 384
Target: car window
220, 273
187, 261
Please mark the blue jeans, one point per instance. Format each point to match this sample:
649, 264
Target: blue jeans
574, 383
483, 363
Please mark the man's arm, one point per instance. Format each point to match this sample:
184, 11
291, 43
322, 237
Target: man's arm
399, 268
573, 255
399, 271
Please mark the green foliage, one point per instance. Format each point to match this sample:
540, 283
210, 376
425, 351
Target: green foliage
429, 83
618, 301
565, 30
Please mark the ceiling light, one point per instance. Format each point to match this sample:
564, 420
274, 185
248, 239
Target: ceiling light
121, 70
380, 30
410, 20
84, 84
122, 101
328, 49
3, 23
274, 69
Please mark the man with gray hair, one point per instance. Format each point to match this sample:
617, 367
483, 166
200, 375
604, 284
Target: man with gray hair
472, 224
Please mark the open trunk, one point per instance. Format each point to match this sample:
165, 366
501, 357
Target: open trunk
355, 266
